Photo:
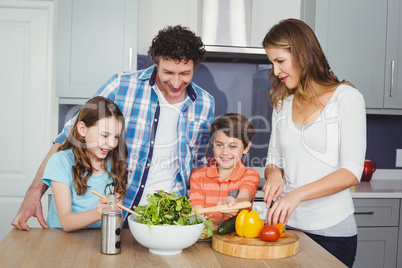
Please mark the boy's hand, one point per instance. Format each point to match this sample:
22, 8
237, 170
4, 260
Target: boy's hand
230, 201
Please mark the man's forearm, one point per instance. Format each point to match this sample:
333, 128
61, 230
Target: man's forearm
37, 185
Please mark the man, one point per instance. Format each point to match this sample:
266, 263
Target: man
167, 123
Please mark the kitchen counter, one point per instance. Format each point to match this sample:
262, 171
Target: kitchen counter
377, 189
55, 248
384, 184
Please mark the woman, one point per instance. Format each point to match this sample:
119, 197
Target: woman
317, 144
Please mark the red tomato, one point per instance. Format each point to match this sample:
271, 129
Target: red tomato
269, 233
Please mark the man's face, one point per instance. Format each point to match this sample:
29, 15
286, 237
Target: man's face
173, 77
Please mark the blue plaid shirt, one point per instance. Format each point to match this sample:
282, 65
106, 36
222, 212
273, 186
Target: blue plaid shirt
138, 101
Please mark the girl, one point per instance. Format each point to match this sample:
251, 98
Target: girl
93, 157
318, 141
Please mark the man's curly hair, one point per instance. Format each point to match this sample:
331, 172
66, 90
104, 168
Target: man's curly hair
177, 43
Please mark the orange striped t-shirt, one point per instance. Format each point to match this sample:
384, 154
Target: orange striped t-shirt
207, 188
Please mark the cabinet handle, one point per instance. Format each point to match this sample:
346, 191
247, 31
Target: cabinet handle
391, 89
364, 213
130, 58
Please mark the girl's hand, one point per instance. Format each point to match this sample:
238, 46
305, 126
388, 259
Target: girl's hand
282, 209
272, 188
101, 205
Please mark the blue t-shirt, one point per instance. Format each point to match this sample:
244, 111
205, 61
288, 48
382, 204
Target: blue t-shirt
59, 168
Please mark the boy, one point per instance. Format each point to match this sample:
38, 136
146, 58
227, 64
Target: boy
228, 180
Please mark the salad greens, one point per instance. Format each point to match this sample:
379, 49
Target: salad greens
171, 209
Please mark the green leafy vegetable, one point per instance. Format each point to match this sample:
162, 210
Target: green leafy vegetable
170, 209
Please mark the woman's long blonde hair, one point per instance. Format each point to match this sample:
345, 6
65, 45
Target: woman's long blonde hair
94, 110
308, 58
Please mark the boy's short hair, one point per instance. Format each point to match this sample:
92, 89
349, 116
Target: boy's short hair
177, 43
234, 125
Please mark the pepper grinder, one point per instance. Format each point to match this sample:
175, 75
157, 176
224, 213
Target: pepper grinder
111, 226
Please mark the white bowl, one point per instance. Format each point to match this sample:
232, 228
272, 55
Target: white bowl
165, 239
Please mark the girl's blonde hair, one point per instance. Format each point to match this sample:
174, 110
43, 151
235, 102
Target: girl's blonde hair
308, 58
94, 110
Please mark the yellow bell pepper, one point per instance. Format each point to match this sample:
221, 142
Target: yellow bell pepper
248, 224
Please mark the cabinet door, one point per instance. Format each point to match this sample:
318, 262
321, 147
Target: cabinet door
376, 247
156, 15
26, 30
96, 38
267, 13
353, 36
393, 78
376, 211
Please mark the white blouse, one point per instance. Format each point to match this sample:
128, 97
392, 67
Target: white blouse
335, 140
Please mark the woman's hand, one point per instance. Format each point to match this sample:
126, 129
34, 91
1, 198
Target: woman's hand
273, 187
283, 208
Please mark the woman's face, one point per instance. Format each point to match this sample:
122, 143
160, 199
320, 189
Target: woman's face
282, 63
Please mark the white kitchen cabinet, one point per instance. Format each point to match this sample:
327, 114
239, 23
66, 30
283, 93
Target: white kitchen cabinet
378, 226
267, 13
156, 15
360, 39
28, 107
376, 247
393, 75
96, 39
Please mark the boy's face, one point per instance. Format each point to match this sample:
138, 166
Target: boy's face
228, 151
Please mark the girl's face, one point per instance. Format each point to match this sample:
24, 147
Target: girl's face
282, 63
101, 138
228, 150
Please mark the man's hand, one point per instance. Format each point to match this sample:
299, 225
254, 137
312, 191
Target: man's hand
31, 207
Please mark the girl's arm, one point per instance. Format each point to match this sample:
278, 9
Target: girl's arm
71, 221
103, 202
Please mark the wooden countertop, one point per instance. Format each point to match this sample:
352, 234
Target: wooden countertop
55, 248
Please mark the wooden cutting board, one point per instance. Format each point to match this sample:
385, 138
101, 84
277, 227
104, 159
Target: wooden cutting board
254, 248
